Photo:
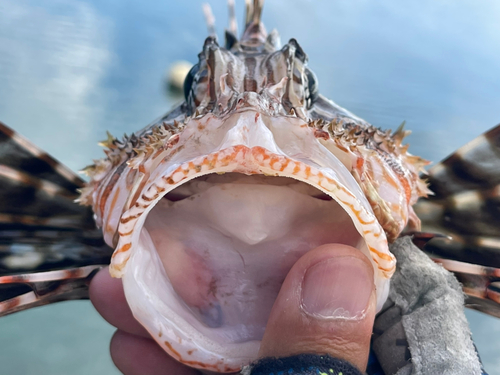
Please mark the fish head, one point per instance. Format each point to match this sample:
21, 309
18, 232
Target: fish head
210, 207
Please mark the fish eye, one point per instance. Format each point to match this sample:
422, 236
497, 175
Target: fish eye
189, 80
312, 84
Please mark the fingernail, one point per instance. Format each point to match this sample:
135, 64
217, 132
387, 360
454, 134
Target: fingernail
337, 288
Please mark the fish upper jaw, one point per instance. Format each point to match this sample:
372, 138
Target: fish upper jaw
251, 143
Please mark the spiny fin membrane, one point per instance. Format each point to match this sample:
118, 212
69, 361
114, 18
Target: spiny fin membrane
465, 210
42, 229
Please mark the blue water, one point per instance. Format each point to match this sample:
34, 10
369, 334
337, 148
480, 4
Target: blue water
72, 69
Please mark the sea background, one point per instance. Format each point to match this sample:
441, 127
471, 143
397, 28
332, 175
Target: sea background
72, 69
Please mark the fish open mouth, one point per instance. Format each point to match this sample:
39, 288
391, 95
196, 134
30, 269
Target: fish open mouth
222, 246
204, 250
227, 242
212, 255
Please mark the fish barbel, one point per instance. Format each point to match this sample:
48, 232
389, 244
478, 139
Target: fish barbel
208, 207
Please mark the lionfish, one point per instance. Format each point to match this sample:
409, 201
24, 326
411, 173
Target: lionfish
203, 212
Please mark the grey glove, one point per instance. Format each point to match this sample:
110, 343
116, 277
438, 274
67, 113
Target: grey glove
422, 328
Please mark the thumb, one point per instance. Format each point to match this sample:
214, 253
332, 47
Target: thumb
326, 305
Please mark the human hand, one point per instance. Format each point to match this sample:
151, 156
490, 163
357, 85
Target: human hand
326, 305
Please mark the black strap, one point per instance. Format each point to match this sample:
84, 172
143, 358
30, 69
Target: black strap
304, 364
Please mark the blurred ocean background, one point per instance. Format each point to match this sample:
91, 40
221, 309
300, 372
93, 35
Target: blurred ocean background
72, 69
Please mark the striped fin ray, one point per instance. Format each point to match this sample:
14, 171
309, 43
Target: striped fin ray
480, 284
475, 166
24, 291
465, 210
22, 155
43, 232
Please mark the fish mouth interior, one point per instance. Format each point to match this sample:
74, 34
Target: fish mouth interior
226, 243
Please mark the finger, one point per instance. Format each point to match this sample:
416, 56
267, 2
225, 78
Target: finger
134, 355
326, 305
106, 294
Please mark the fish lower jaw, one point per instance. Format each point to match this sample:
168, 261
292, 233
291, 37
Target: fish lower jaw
211, 256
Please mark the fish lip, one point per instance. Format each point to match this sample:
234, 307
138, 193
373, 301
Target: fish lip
210, 359
236, 151
259, 161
